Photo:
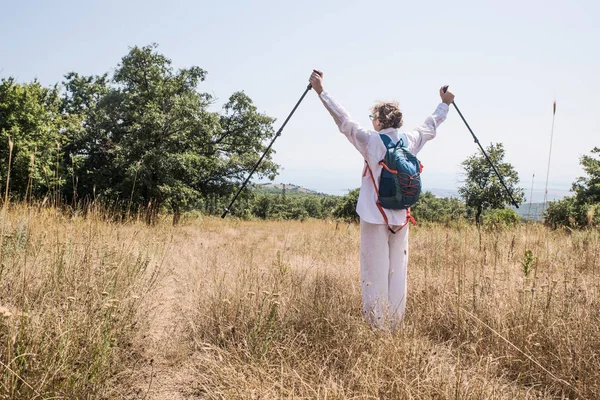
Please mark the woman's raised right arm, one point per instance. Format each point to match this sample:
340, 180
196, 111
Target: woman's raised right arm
357, 135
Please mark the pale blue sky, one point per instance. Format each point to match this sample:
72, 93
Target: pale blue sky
505, 61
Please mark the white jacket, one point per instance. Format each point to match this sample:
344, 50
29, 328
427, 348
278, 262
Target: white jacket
371, 147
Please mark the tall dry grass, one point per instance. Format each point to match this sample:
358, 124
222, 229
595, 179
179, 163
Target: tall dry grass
273, 310
499, 314
70, 295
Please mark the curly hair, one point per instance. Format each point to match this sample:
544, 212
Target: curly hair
388, 113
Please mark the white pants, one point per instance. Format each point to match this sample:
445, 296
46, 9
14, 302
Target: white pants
383, 262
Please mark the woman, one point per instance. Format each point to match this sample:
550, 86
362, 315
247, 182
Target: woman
383, 255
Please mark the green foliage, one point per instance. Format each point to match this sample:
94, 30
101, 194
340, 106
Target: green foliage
346, 208
482, 189
528, 262
291, 202
587, 188
562, 213
569, 213
313, 207
329, 204
438, 209
502, 218
262, 207
429, 208
276, 206
283, 267
184, 150
583, 209
143, 138
290, 190
30, 117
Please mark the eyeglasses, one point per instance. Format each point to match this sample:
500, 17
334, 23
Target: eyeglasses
371, 117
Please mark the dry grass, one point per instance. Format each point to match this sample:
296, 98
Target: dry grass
277, 315
70, 291
273, 310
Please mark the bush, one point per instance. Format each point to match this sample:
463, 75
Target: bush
438, 209
346, 208
569, 213
502, 218
583, 209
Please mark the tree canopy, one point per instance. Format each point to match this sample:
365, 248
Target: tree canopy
582, 209
144, 137
482, 189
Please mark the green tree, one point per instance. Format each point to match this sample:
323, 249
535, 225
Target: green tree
436, 209
149, 136
262, 206
296, 209
583, 209
89, 151
482, 190
313, 207
329, 204
30, 117
587, 188
346, 208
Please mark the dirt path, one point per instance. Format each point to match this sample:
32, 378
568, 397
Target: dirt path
163, 372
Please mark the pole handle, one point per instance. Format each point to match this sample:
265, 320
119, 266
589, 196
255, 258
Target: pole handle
309, 87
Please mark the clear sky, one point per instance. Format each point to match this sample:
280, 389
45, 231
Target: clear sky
506, 61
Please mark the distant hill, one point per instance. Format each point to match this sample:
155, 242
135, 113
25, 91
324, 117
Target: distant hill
290, 189
443, 192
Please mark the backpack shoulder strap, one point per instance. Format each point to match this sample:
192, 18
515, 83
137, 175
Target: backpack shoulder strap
403, 141
387, 141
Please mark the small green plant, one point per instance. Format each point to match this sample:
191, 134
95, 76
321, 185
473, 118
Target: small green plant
284, 268
528, 262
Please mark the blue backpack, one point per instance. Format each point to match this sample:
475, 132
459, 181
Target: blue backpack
400, 181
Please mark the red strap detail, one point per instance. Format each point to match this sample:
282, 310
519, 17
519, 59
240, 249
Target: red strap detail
421, 168
386, 167
410, 217
385, 218
373, 180
365, 169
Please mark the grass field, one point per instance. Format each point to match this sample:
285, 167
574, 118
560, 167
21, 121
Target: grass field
230, 309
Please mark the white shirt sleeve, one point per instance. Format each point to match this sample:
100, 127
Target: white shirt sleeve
427, 131
357, 135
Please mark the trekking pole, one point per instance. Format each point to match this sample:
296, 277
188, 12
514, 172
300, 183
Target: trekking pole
266, 151
549, 157
485, 154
